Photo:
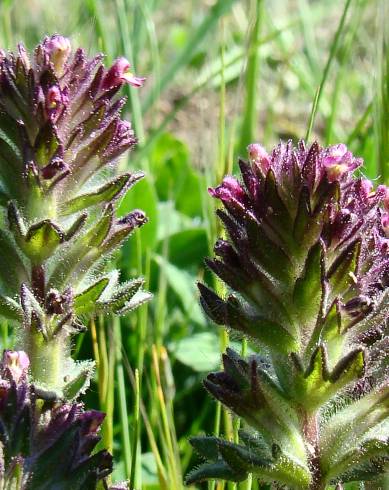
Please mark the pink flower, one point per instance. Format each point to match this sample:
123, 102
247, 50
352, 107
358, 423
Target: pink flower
120, 73
259, 156
337, 161
230, 191
17, 362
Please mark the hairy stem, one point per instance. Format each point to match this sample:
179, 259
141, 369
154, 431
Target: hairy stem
46, 358
311, 434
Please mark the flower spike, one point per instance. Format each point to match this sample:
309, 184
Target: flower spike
306, 267
61, 136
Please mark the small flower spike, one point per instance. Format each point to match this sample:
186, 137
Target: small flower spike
49, 447
61, 135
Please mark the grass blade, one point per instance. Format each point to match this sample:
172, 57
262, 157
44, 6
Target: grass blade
381, 116
220, 8
250, 107
333, 51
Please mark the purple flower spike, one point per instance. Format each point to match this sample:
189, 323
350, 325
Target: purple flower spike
305, 265
120, 73
53, 442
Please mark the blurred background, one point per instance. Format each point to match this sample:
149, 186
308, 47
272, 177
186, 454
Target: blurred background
220, 75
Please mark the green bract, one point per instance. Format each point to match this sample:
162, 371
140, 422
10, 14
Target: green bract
306, 265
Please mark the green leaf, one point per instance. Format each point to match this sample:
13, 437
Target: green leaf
268, 253
263, 330
308, 224
240, 457
46, 144
342, 272
137, 300
16, 223
279, 404
41, 240
32, 309
119, 295
106, 193
280, 217
12, 269
200, 351
85, 302
348, 427
186, 248
11, 166
206, 447
76, 226
349, 368
10, 309
329, 333
308, 289
99, 232
219, 471
355, 456
317, 384
80, 380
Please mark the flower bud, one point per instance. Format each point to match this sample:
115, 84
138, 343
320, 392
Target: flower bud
58, 49
259, 156
135, 219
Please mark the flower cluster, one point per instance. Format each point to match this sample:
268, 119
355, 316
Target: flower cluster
45, 444
306, 263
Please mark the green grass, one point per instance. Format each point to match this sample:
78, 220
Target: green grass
219, 75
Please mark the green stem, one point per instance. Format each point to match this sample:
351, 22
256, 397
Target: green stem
46, 359
311, 434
